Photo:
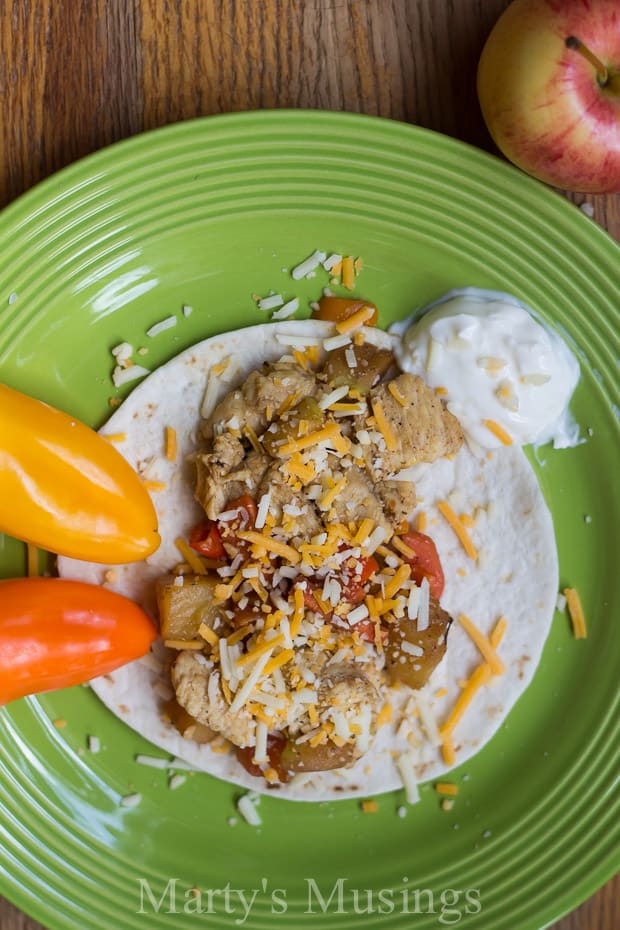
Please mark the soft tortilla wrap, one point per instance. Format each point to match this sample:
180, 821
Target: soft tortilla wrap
516, 574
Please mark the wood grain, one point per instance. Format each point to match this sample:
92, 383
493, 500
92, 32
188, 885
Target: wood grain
75, 76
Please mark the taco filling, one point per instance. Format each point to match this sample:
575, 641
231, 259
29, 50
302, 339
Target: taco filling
319, 596
322, 521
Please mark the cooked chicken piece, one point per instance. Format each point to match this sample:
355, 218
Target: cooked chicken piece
190, 675
306, 524
224, 474
398, 499
423, 430
258, 400
358, 499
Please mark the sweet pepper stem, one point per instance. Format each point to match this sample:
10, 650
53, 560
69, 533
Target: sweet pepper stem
577, 45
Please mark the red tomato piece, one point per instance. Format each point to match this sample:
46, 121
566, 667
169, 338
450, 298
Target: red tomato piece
205, 538
275, 744
426, 563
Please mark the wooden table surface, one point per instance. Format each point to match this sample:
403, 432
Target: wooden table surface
75, 76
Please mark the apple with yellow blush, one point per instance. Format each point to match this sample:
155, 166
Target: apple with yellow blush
549, 90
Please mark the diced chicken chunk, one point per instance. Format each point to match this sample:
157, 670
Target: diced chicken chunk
305, 524
358, 500
423, 430
398, 499
255, 404
190, 675
225, 474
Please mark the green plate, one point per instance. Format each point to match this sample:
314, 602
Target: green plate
207, 213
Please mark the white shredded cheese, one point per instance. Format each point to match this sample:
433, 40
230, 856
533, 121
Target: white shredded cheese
411, 648
427, 720
187, 310
560, 604
162, 326
413, 603
374, 540
270, 302
122, 352
309, 264
287, 310
406, 768
260, 752
250, 683
131, 800
333, 397
176, 781
331, 261
153, 762
423, 606
94, 744
336, 342
121, 376
359, 613
247, 808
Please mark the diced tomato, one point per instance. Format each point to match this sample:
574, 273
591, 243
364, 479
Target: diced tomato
426, 563
353, 590
367, 631
310, 602
205, 538
243, 520
275, 744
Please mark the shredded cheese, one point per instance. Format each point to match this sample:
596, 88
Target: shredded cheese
398, 397
461, 532
348, 272
207, 634
447, 787
421, 522
355, 321
330, 496
575, 612
171, 444
479, 678
498, 431
115, 437
271, 545
403, 573
384, 427
192, 558
483, 644
312, 439
497, 634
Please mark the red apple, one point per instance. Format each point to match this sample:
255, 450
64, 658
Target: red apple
549, 89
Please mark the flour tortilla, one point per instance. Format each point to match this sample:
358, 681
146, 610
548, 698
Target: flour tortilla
516, 574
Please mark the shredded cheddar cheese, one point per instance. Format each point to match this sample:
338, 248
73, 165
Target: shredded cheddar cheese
115, 437
192, 558
348, 272
403, 573
497, 634
271, 545
278, 661
312, 439
330, 496
298, 615
154, 486
498, 431
193, 644
479, 678
384, 427
266, 646
575, 612
355, 321
421, 522
406, 550
483, 644
447, 787
449, 755
207, 634
461, 532
398, 397
171, 444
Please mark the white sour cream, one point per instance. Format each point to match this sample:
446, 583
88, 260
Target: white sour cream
491, 360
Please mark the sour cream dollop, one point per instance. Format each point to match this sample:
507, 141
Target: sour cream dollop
497, 367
